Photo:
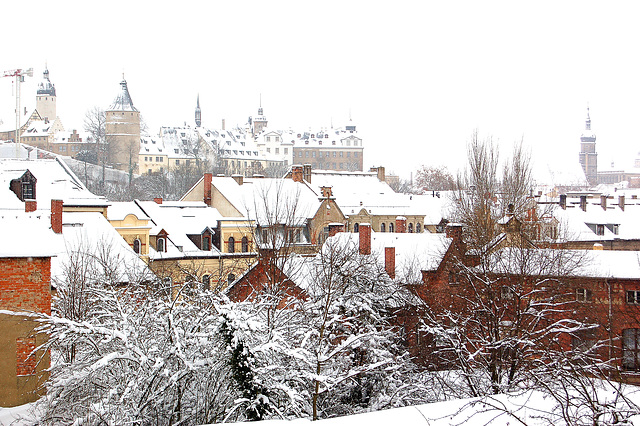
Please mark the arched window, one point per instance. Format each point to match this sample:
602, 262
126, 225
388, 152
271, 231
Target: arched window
382, 227
390, 226
411, 228
230, 279
418, 228
206, 243
232, 245
160, 245
356, 227
136, 245
206, 282
245, 244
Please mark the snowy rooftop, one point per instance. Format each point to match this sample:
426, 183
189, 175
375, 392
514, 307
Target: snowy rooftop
120, 210
91, 234
54, 181
123, 100
578, 225
180, 219
19, 230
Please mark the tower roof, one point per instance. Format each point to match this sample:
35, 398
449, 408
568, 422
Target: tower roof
46, 87
588, 134
123, 101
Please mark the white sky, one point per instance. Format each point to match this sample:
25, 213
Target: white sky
417, 76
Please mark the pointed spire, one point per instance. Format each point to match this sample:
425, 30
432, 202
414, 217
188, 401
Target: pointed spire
260, 112
123, 101
588, 121
198, 112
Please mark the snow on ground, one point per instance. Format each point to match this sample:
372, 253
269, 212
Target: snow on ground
20, 415
532, 408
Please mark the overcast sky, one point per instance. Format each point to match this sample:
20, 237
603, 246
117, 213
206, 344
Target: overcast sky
417, 77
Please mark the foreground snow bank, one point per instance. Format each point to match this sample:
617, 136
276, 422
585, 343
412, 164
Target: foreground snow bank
531, 408
20, 415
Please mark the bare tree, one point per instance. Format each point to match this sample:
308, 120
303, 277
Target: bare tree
434, 178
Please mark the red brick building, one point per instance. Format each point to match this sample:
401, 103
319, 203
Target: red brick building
25, 286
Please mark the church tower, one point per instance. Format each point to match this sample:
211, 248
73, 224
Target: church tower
122, 131
260, 122
46, 98
198, 112
588, 154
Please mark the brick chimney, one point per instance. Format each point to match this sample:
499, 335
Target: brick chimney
390, 261
401, 225
380, 171
207, 189
603, 202
365, 238
563, 201
306, 172
296, 173
334, 228
56, 216
238, 178
583, 203
326, 191
158, 200
621, 202
454, 231
30, 206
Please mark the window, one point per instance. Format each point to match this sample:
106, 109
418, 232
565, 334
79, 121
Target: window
356, 227
136, 245
349, 154
277, 150
411, 228
306, 154
599, 229
299, 154
583, 295
286, 151
631, 349
382, 227
230, 279
206, 282
355, 154
418, 228
269, 150
633, 296
390, 226
245, 244
160, 245
506, 293
206, 243
28, 191
584, 340
313, 154
231, 245
177, 162
341, 154
454, 278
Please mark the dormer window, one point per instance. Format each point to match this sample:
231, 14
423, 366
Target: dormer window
161, 246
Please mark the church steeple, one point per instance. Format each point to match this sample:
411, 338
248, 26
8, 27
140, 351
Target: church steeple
588, 155
198, 112
259, 122
588, 121
123, 101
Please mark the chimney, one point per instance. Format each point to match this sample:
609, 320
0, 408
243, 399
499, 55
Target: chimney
207, 189
56, 216
306, 172
296, 173
563, 201
326, 191
603, 202
257, 176
223, 127
30, 206
621, 202
238, 178
598, 246
454, 231
583, 203
401, 225
365, 238
390, 261
334, 228
158, 200
380, 171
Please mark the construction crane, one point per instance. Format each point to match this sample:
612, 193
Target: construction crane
19, 74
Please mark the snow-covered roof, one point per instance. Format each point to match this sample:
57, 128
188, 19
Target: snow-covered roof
354, 191
270, 200
578, 225
92, 235
120, 210
123, 100
28, 234
54, 181
180, 219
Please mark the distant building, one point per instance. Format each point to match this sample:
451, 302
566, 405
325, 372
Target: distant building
588, 154
122, 130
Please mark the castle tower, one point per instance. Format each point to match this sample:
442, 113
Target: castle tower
46, 97
122, 131
588, 154
198, 112
260, 122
